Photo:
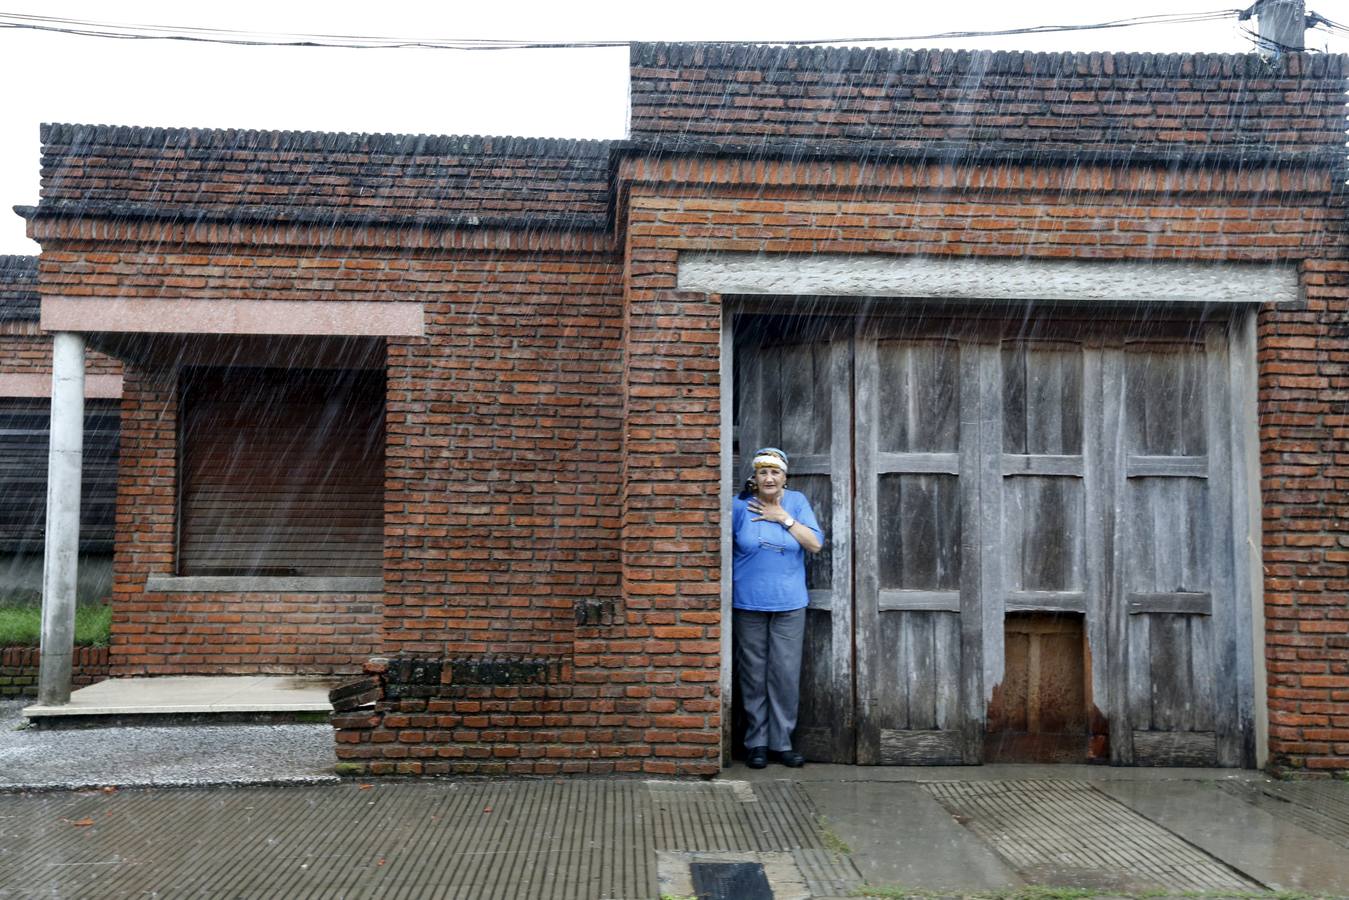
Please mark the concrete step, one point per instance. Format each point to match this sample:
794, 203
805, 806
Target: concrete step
191, 699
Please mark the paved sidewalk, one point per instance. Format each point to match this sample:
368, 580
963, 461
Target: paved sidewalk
819, 832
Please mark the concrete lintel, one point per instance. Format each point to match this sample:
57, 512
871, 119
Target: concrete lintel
340, 318
229, 584
963, 278
24, 384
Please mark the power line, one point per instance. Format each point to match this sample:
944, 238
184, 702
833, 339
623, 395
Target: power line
116, 31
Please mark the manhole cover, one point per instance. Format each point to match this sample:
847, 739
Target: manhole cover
730, 881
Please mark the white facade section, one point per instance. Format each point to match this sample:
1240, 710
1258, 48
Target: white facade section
1022, 280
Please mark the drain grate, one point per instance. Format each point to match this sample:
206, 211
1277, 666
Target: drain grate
1070, 834
730, 881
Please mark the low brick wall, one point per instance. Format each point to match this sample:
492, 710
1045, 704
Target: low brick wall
19, 669
481, 716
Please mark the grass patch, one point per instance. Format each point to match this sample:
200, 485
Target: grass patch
21, 625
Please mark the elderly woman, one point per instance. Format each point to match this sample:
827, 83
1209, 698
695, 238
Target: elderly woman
774, 529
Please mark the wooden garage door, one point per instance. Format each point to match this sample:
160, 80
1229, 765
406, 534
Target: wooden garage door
996, 470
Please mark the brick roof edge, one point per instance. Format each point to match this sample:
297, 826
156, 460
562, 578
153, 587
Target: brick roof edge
19, 268
284, 215
18, 288
957, 152
320, 141
985, 62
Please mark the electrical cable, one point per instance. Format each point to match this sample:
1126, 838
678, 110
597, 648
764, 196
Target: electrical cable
361, 42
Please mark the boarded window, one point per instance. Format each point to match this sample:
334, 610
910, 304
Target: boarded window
24, 431
282, 472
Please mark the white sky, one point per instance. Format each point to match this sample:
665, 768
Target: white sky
550, 93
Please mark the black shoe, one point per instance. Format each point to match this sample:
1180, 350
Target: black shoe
757, 758
789, 758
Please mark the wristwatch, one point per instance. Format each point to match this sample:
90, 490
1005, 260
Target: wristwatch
789, 524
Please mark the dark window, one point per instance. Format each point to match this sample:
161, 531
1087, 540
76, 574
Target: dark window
24, 429
282, 472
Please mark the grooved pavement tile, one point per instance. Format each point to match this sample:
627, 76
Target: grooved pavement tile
1321, 807
476, 840
1272, 849
551, 840
1068, 833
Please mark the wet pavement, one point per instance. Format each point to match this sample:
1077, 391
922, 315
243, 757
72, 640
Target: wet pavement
819, 832
171, 755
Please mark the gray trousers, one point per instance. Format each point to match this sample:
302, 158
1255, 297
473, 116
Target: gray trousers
768, 673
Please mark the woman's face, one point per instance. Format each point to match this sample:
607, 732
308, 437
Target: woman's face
770, 481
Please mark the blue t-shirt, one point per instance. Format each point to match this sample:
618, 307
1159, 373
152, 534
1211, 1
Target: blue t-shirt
768, 571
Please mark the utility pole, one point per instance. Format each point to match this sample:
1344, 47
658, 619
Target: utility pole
1281, 24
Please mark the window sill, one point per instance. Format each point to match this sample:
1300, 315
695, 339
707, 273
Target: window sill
204, 584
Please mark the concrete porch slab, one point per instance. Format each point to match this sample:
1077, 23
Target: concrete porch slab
192, 695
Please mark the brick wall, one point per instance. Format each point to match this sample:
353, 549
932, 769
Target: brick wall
503, 455
27, 351
1304, 443
19, 669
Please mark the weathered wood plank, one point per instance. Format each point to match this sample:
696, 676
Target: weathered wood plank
1170, 682
819, 492
1046, 601
1175, 748
869, 636
809, 463
973, 708
819, 706
1217, 639
895, 600
917, 463
749, 383
1023, 464
1044, 530
1114, 533
919, 748
1247, 583
918, 531
1014, 399
921, 409
1098, 491
991, 584
1140, 466
1190, 603
946, 668
1138, 675
839, 543
1053, 399
1204, 683
920, 640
